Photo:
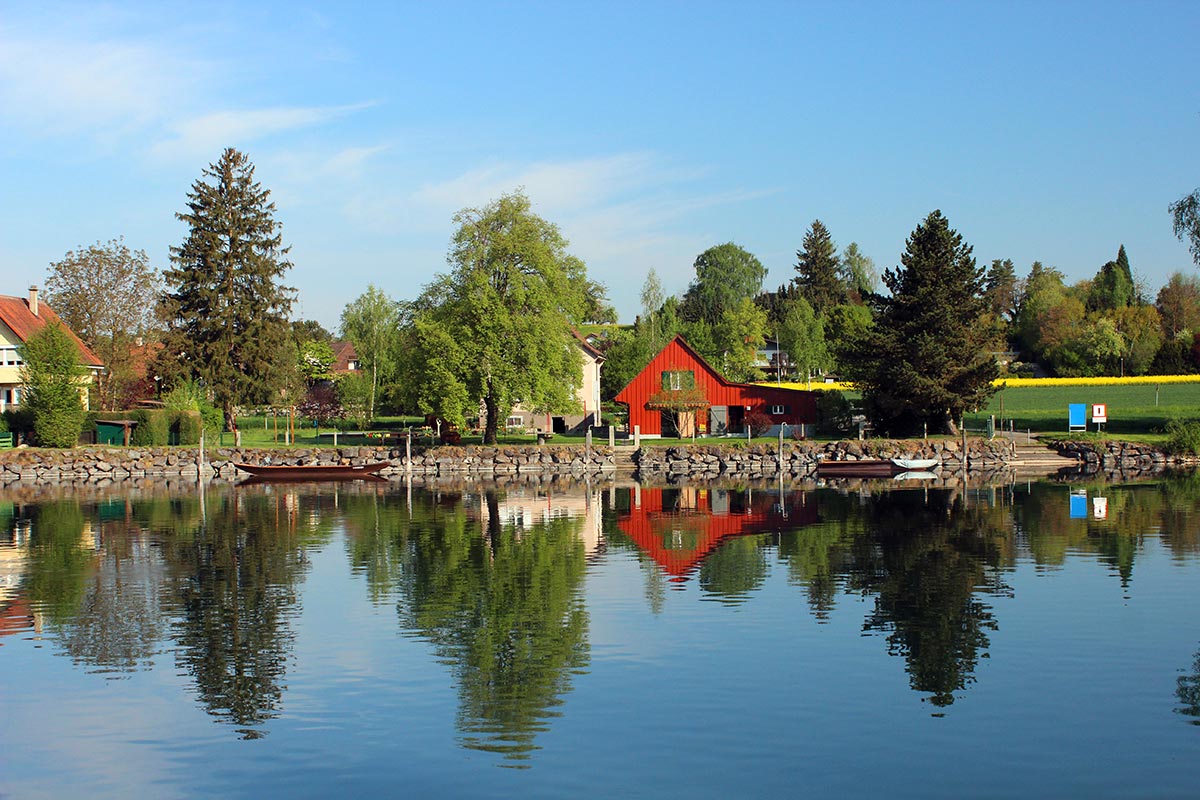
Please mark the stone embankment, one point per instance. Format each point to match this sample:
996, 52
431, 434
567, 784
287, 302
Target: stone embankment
801, 458
105, 465
100, 464
1119, 458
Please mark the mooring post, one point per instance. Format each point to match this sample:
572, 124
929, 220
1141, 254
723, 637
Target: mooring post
637, 436
782, 425
408, 454
612, 436
587, 447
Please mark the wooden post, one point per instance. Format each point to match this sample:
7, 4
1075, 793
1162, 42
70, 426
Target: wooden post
637, 436
587, 446
407, 453
612, 436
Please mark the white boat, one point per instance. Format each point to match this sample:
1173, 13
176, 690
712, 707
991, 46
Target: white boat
915, 464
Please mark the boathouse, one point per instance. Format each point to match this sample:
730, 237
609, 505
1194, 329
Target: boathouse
679, 378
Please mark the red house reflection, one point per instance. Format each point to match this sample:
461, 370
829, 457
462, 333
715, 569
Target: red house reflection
679, 527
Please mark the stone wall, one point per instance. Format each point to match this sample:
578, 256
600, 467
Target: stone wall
101, 464
1118, 457
801, 458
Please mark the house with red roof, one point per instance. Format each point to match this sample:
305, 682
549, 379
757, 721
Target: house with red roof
345, 358
20, 318
680, 376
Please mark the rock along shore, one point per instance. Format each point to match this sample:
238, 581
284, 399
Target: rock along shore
101, 464
736, 461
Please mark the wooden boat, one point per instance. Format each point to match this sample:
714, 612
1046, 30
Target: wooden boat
873, 467
314, 472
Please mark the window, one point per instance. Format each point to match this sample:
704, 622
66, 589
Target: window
779, 411
676, 380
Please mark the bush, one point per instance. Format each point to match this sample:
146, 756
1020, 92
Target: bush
186, 425
835, 415
18, 420
1183, 437
153, 425
758, 421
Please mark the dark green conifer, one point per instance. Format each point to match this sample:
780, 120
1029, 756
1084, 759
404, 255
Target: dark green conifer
225, 307
818, 273
926, 359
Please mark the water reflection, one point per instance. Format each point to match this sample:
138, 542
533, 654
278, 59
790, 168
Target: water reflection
491, 580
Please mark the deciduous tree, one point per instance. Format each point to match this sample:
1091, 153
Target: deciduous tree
372, 322
725, 275
1178, 305
802, 337
497, 328
1185, 219
106, 293
860, 273
226, 308
53, 380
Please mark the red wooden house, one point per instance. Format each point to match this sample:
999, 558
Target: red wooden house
678, 371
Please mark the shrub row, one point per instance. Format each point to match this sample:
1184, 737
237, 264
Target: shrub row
155, 427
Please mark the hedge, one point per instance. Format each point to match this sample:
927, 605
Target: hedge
155, 426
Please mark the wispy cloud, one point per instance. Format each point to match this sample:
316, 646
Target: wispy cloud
60, 85
208, 133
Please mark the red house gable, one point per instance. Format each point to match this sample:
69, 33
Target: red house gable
791, 406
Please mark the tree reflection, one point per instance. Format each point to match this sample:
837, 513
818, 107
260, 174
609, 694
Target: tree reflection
500, 602
120, 620
924, 557
62, 555
235, 580
1187, 689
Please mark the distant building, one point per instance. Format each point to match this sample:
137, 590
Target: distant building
588, 397
21, 318
721, 405
345, 359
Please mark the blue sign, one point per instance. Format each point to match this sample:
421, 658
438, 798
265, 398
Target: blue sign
1077, 416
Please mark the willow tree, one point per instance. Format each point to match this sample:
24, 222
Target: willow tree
226, 308
926, 359
496, 329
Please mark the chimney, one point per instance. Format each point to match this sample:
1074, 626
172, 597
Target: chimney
33, 303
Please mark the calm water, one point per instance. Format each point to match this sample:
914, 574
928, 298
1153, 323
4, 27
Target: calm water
602, 641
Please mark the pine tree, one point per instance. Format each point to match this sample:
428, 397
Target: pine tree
817, 269
225, 307
926, 359
1001, 287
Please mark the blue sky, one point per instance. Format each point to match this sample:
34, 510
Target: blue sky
647, 131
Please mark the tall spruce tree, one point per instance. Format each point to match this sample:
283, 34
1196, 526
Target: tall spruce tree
926, 359
225, 307
818, 273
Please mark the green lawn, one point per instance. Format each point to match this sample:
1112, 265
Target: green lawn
1132, 409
